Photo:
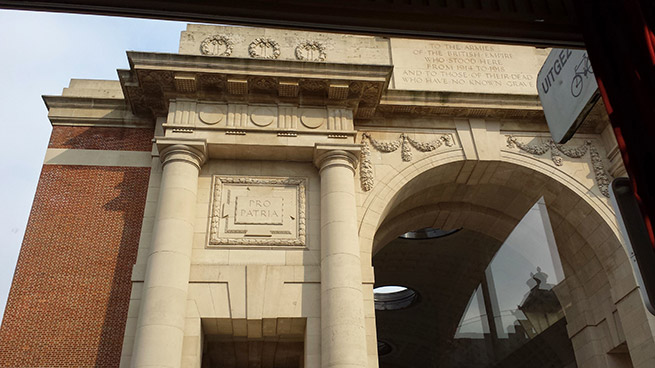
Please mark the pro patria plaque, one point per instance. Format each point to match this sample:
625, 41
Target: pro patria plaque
259, 210
253, 211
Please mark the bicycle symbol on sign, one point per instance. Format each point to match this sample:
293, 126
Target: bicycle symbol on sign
577, 82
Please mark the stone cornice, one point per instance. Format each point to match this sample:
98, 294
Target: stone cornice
74, 101
525, 108
461, 105
154, 79
262, 67
67, 110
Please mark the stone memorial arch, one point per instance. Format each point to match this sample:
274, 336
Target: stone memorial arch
455, 189
266, 183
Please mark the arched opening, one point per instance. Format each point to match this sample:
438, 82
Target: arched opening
536, 275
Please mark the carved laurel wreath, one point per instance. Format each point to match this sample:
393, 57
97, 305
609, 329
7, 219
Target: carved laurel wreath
264, 42
212, 43
556, 152
308, 47
404, 142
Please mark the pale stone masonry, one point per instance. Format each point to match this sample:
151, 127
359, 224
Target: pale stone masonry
284, 161
161, 319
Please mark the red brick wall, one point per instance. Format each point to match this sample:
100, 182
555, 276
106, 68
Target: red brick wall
69, 298
119, 139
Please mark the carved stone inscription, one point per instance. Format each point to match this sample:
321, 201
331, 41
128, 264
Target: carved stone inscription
256, 211
465, 67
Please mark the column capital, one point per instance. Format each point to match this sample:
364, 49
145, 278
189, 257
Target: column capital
326, 155
191, 151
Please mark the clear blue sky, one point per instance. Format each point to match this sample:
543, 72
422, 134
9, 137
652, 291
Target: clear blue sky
41, 52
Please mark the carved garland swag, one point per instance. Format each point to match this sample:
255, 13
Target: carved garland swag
556, 152
404, 142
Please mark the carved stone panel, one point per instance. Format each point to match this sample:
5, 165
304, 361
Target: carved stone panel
262, 116
258, 211
313, 118
211, 113
216, 46
264, 48
310, 50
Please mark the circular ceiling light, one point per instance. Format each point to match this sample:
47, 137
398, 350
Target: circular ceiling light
427, 233
393, 297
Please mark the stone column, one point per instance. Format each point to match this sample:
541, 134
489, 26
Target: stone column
160, 326
343, 330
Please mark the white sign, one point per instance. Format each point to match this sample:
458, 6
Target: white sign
568, 90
